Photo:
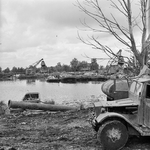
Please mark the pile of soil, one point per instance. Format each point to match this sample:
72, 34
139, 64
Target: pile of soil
69, 130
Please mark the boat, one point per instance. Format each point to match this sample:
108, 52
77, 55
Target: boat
26, 76
99, 78
69, 79
52, 79
82, 78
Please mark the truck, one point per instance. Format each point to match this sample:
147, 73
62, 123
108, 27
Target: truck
115, 121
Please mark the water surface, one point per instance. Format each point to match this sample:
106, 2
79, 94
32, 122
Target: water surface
59, 92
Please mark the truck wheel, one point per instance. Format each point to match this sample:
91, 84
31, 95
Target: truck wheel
112, 135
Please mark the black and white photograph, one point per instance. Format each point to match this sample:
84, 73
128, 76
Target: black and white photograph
74, 74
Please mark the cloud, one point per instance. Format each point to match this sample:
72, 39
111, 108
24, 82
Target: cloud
30, 23
35, 29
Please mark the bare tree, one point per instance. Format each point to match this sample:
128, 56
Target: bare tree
122, 33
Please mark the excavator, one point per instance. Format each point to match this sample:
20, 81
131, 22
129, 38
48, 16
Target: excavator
31, 70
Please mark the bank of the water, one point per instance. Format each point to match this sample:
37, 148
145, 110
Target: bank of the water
57, 131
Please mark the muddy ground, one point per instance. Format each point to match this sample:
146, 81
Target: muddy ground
54, 131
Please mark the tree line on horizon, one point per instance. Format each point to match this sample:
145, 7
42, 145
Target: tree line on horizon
75, 65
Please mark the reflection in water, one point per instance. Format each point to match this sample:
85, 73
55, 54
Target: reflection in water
30, 81
59, 92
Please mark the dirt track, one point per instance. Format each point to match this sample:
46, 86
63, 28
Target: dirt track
54, 131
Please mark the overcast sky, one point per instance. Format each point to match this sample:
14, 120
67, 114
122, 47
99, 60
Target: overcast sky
35, 29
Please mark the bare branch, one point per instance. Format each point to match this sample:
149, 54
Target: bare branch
111, 25
124, 11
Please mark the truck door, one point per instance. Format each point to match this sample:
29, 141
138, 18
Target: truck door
146, 106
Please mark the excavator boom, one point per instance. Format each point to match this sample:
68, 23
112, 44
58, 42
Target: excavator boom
32, 68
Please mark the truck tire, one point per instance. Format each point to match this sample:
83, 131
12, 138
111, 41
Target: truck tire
112, 135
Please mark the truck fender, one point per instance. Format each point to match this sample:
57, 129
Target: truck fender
111, 115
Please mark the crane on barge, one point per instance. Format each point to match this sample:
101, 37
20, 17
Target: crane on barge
31, 70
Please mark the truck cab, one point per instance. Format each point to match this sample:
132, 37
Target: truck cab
114, 121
